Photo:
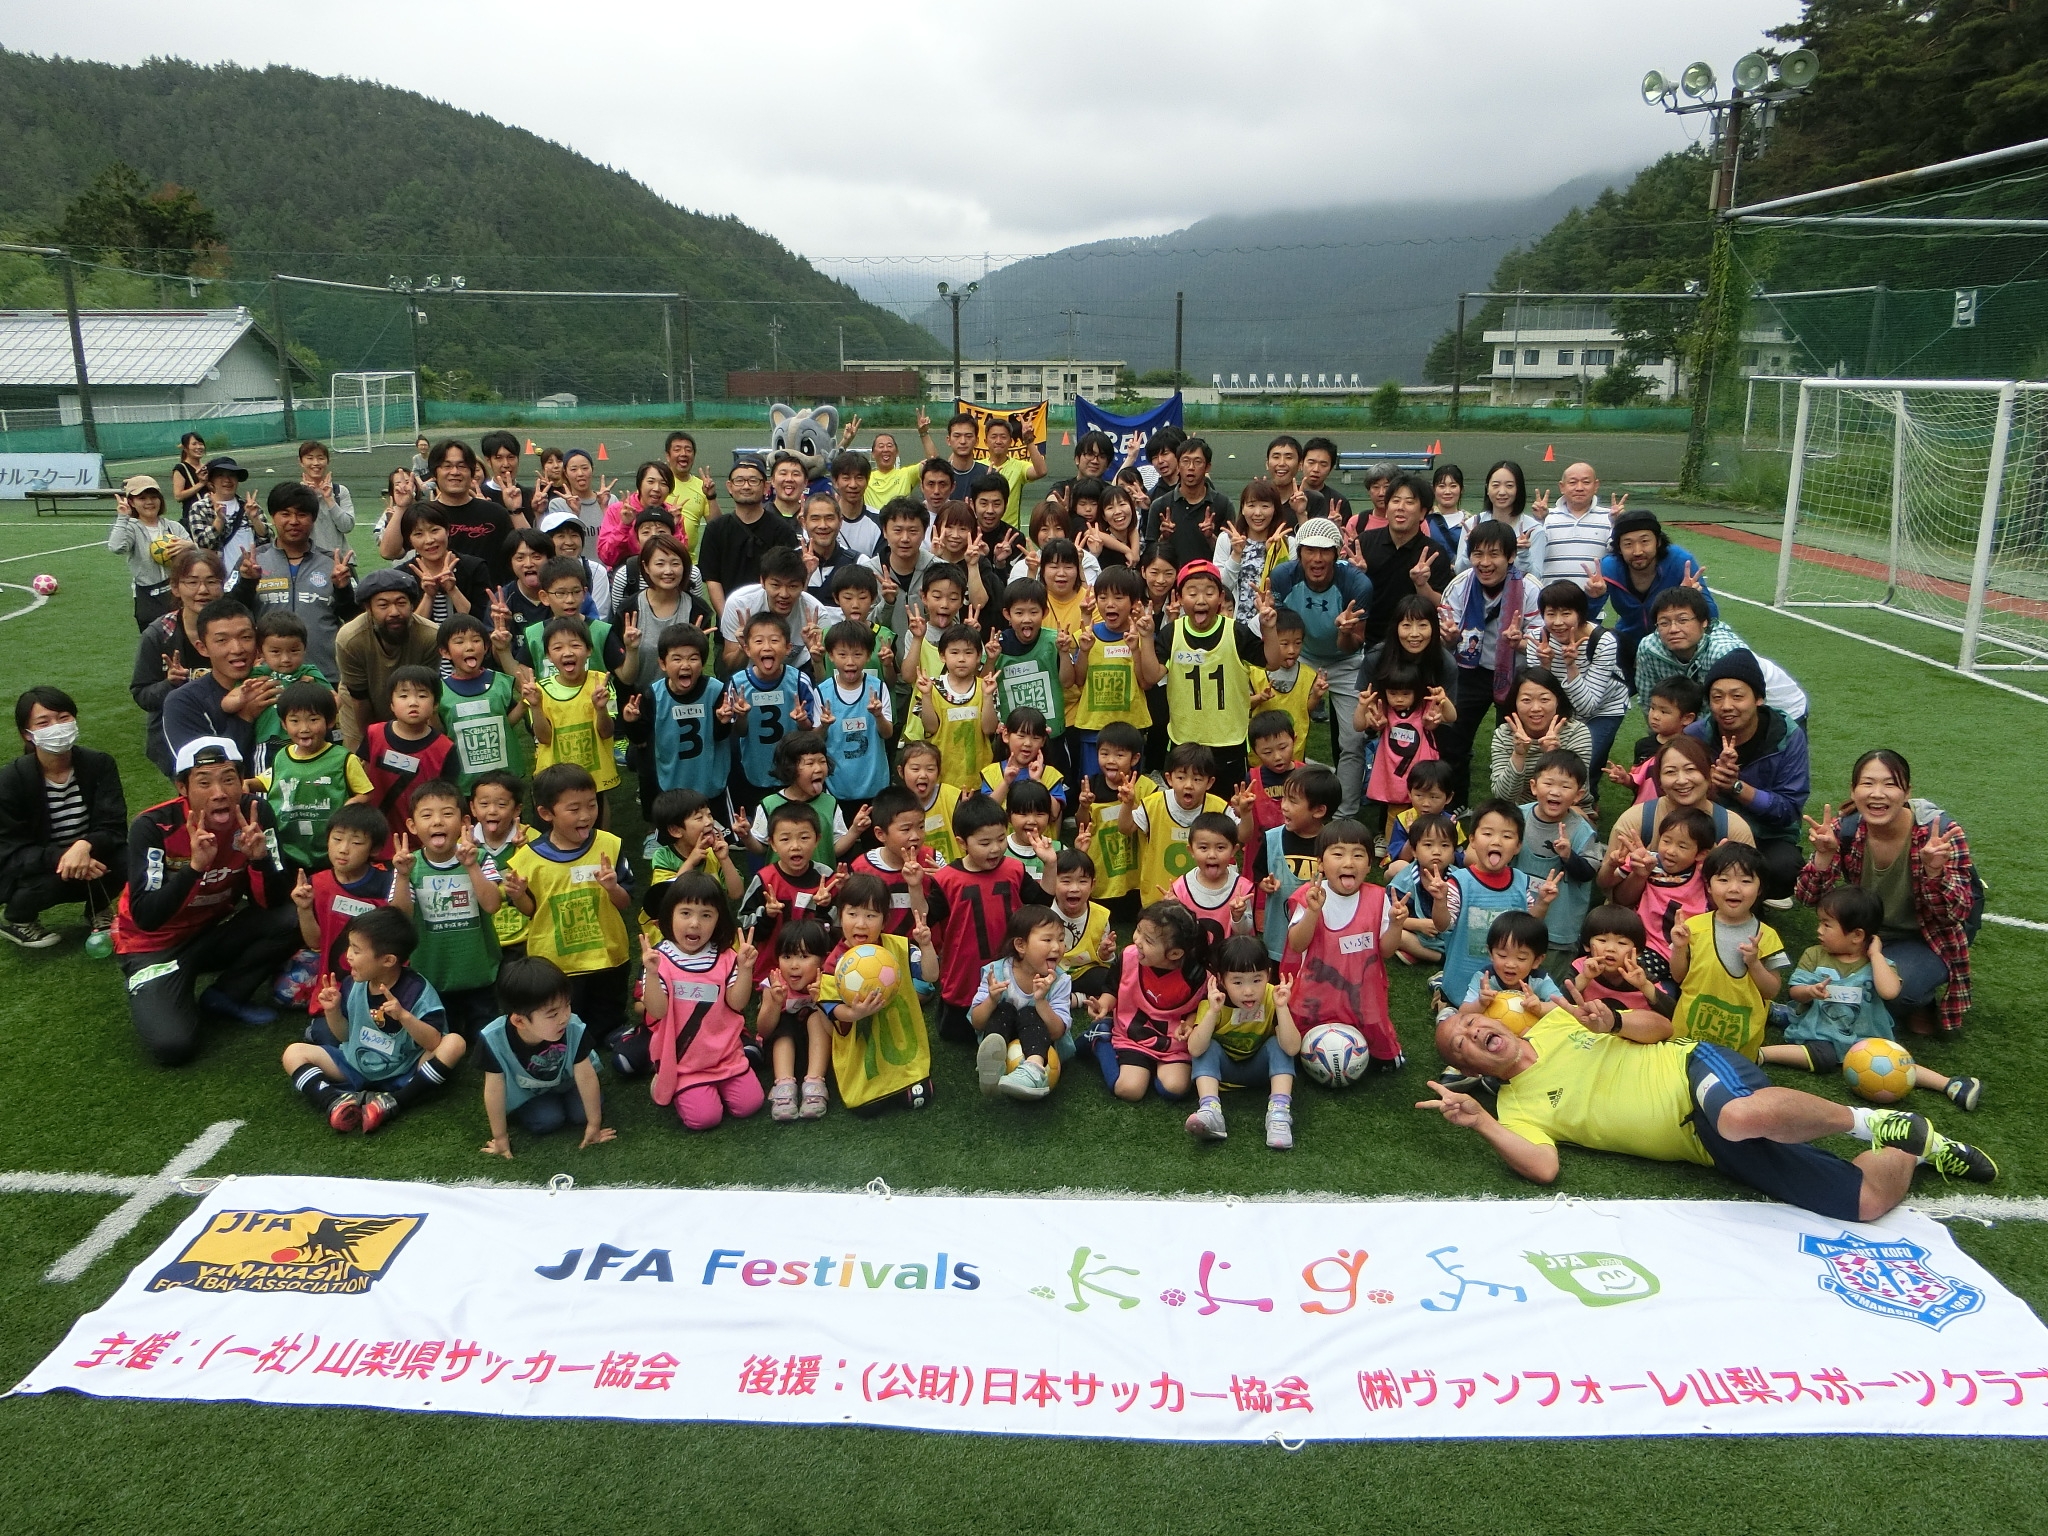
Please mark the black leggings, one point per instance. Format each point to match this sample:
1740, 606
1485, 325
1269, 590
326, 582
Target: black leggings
1022, 1025
1474, 698
35, 894
247, 948
1782, 863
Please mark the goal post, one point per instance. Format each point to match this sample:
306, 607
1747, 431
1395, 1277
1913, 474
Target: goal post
1924, 500
373, 410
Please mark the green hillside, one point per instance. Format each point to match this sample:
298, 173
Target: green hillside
358, 182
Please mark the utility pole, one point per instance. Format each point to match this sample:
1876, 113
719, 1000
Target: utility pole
1179, 302
689, 367
1458, 362
668, 352
85, 418
774, 344
1720, 331
284, 361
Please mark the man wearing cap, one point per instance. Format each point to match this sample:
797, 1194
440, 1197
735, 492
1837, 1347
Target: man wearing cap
1178, 511
733, 544
293, 574
207, 891
224, 701
150, 545
1333, 599
388, 634
1640, 566
1759, 765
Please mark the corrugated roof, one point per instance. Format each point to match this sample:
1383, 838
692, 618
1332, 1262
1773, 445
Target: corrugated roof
122, 346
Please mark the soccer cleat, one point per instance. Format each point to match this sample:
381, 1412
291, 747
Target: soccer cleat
254, 1015
345, 1114
377, 1108
1028, 1082
990, 1057
1964, 1092
1958, 1159
1206, 1123
29, 935
782, 1100
812, 1106
1279, 1127
1900, 1128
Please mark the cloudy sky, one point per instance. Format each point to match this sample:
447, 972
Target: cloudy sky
894, 128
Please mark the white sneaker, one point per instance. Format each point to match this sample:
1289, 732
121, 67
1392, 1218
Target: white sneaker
1206, 1123
990, 1057
1279, 1127
1027, 1082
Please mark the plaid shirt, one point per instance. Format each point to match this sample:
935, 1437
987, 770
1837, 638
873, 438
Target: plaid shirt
1654, 663
1941, 903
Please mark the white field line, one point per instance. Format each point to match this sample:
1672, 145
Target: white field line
36, 599
61, 550
144, 1194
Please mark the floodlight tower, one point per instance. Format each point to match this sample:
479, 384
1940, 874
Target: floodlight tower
1762, 82
954, 296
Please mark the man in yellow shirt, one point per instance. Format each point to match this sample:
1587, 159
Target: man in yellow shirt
1577, 1077
892, 476
695, 497
1015, 468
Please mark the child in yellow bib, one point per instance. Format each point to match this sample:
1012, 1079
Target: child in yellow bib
1727, 964
572, 885
1209, 656
918, 771
572, 711
1294, 687
1112, 663
951, 706
1160, 820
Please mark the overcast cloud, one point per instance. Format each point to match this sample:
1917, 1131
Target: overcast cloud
900, 129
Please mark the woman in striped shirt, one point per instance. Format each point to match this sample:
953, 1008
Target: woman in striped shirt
63, 823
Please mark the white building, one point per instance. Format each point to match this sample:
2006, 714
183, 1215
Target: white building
180, 364
1002, 382
1549, 352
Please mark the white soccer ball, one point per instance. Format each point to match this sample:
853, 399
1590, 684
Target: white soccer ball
1334, 1055
46, 585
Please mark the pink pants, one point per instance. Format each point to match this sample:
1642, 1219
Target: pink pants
703, 1106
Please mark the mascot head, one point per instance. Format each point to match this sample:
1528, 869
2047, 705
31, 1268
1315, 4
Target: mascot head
812, 435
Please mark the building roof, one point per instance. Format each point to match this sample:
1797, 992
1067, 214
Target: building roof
122, 346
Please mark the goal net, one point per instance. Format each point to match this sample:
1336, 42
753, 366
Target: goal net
373, 410
1928, 501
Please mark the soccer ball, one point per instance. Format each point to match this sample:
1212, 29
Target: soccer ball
1878, 1070
46, 585
161, 547
1333, 1055
864, 970
1013, 1058
1512, 1011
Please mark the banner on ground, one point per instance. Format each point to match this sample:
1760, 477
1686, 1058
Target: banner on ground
1026, 422
1126, 431
1142, 1319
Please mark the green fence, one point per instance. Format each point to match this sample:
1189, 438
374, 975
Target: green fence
155, 439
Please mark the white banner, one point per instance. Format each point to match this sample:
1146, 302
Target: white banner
1145, 1319
24, 473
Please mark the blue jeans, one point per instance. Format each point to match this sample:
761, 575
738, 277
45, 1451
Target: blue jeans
546, 1112
1256, 1070
1922, 973
1603, 730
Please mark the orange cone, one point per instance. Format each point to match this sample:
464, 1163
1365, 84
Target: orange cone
1066, 439
1437, 446
601, 454
1549, 453
532, 446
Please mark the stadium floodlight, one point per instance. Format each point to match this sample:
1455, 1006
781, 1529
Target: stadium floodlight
1655, 88
1698, 80
1750, 72
1799, 69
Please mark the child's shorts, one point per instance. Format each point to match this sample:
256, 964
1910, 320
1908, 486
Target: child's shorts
1821, 1055
317, 1033
1254, 1071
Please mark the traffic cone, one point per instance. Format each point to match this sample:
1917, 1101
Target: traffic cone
601, 454
532, 446
1549, 453
1437, 446
1066, 439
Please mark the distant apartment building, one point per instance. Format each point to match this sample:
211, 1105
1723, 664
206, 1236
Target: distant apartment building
1546, 352
1003, 382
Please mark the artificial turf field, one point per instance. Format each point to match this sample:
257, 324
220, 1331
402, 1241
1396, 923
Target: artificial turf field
76, 1095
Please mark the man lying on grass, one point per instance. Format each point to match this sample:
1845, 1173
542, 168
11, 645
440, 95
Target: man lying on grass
1576, 1077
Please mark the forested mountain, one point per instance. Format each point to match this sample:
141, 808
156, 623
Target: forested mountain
359, 182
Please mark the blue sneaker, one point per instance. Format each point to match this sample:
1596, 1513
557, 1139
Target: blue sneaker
255, 1016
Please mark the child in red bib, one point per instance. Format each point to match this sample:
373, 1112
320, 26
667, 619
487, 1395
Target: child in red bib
1336, 945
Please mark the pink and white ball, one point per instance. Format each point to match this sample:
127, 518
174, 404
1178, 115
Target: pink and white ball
45, 585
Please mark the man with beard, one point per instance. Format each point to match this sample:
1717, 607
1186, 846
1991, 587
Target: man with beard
388, 634
206, 892
733, 544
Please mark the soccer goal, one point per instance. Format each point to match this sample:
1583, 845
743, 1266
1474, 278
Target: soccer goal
1925, 500
373, 410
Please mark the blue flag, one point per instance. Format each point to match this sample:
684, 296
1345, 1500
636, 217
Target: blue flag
1125, 430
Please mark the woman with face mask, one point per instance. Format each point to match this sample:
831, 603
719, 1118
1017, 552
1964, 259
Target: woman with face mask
63, 826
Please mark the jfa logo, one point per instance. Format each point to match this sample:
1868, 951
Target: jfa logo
1891, 1279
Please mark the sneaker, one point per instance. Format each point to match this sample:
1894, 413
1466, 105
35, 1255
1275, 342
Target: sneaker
990, 1058
29, 935
1958, 1160
345, 1114
650, 848
1279, 1128
1782, 1017
254, 1015
1780, 903
1459, 1082
1964, 1092
1028, 1082
918, 1095
1393, 1063
782, 1099
813, 1103
1206, 1123
1901, 1128
377, 1108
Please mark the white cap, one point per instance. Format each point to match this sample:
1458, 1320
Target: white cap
559, 516
203, 750
1319, 533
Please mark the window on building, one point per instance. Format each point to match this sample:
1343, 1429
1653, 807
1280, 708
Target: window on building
1749, 358
1599, 357
1507, 357
1564, 357
1654, 362
1531, 357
